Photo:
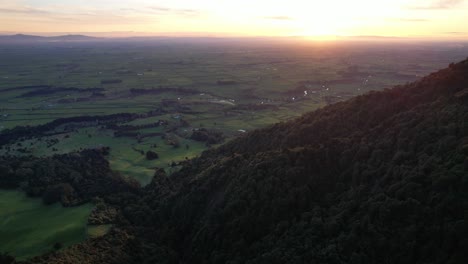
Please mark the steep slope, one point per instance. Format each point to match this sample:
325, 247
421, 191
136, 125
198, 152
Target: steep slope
381, 178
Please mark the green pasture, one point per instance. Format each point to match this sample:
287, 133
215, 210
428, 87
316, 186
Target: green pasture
29, 228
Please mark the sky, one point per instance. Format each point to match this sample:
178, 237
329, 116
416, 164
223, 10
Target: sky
309, 18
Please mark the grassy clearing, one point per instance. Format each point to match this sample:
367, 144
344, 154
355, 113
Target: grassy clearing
29, 228
127, 154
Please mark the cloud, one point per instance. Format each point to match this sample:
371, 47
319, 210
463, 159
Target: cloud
438, 5
279, 17
409, 19
21, 14
455, 33
177, 11
161, 10
23, 10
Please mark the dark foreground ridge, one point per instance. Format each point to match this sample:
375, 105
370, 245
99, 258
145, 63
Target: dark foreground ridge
381, 178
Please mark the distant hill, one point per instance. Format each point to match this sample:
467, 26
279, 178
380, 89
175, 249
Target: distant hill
380, 178
72, 38
21, 38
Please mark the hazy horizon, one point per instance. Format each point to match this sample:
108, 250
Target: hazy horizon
171, 35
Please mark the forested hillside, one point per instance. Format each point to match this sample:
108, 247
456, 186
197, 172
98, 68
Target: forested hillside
381, 178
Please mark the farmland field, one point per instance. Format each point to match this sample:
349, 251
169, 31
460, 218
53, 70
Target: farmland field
230, 87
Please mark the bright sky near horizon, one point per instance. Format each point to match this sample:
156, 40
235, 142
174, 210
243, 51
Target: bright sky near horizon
411, 18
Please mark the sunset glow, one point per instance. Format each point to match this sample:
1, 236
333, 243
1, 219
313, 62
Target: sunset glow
414, 18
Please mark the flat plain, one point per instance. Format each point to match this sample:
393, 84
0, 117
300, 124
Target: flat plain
230, 86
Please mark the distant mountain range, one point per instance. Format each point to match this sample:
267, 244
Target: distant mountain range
5, 37
18, 38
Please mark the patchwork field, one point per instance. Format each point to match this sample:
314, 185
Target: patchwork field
229, 87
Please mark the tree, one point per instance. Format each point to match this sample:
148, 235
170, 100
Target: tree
151, 155
5, 258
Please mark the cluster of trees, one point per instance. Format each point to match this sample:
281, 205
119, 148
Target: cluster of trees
70, 179
377, 179
253, 107
137, 127
48, 90
27, 132
132, 130
208, 136
5, 258
164, 89
151, 155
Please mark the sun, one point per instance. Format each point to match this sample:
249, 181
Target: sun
320, 27
321, 21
